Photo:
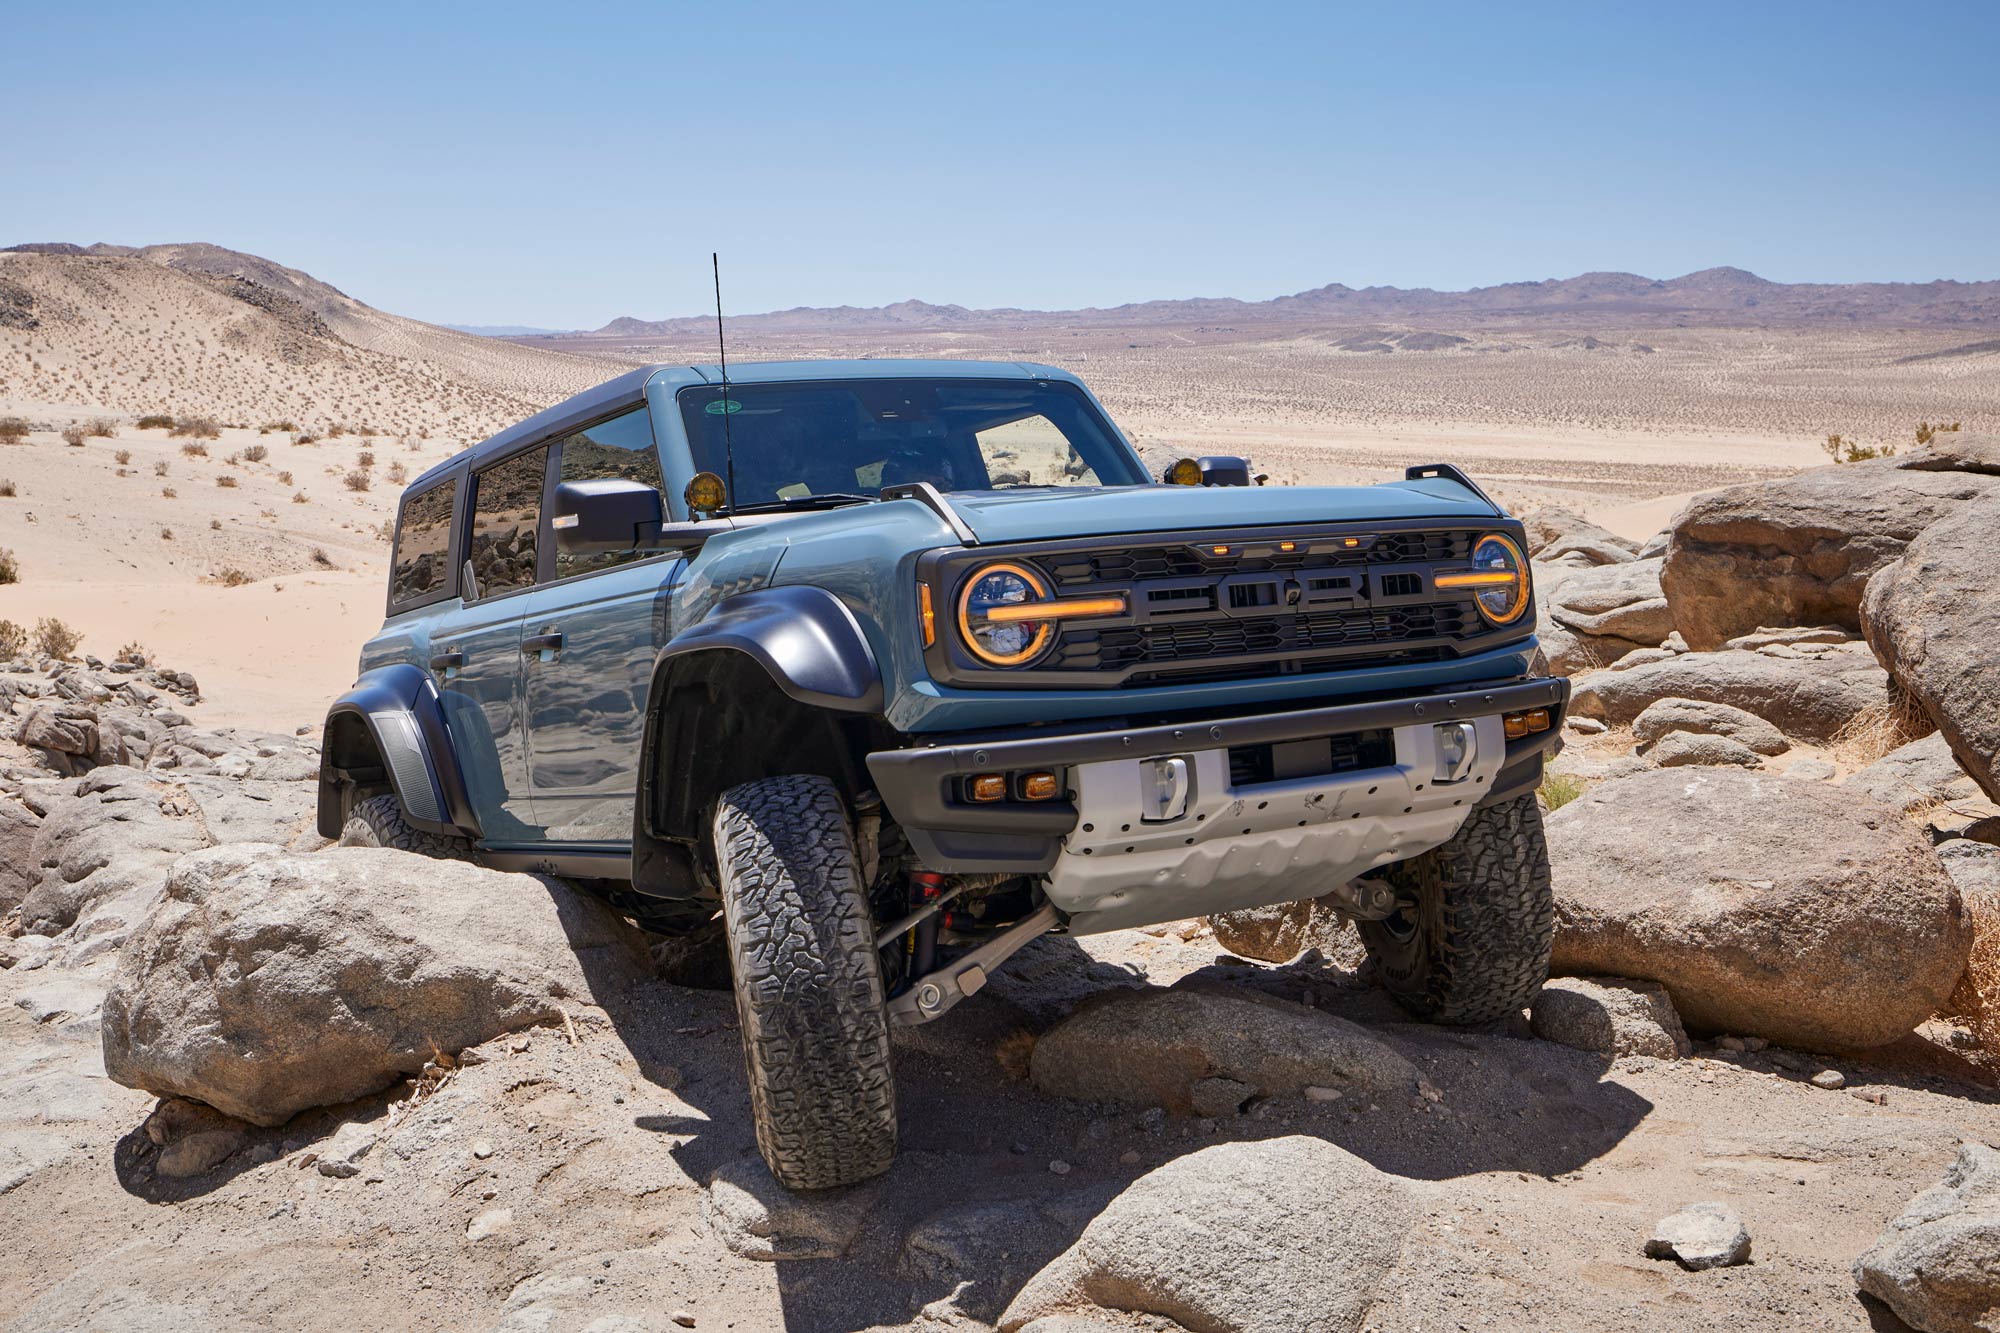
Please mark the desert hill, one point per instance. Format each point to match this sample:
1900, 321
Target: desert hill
196, 328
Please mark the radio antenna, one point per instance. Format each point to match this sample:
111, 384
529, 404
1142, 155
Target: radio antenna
722, 351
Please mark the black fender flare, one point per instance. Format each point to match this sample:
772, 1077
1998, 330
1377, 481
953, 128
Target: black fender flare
805, 638
396, 710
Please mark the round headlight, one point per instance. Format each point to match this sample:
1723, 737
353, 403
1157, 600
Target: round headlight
1502, 574
1185, 472
1008, 640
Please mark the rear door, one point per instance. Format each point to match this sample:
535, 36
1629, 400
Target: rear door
477, 649
598, 624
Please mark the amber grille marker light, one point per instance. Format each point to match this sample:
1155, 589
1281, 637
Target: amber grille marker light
927, 613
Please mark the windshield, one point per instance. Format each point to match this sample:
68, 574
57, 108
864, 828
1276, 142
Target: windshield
836, 437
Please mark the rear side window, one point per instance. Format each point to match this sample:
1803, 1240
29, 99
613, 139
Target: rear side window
421, 571
619, 448
507, 524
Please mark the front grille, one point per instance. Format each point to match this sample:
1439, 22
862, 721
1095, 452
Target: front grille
1083, 568
1284, 634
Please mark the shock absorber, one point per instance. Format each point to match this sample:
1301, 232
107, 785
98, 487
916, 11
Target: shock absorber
926, 887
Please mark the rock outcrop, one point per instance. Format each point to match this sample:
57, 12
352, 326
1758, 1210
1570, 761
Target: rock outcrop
1799, 550
1920, 773
1809, 698
1786, 910
1162, 1047
1933, 619
1937, 1265
1665, 716
1279, 933
1269, 1237
266, 983
1610, 1016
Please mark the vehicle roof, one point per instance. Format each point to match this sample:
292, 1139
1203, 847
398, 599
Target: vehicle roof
629, 389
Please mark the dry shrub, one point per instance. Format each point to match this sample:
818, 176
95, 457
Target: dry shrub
215, 525
160, 468
284, 478
398, 474
356, 480
73, 436
104, 428
168, 492
227, 482
13, 430
282, 427
256, 453
231, 578
134, 654
366, 458
10, 568
156, 422
123, 456
1880, 728
13, 641
303, 438
299, 498
206, 428
1559, 789
7, 489
166, 534
322, 559
193, 450
55, 639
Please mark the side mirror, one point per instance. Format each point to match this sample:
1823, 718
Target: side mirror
610, 514
1224, 470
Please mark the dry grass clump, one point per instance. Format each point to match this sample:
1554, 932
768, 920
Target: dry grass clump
256, 453
215, 525
133, 654
168, 493
304, 437
73, 436
13, 641
205, 428
299, 498
156, 422
1880, 728
195, 450
398, 474
227, 482
13, 430
7, 488
10, 568
284, 478
356, 480
322, 559
366, 458
55, 639
1559, 789
104, 428
281, 427
231, 577
160, 468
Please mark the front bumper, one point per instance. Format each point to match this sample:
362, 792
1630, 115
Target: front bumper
920, 785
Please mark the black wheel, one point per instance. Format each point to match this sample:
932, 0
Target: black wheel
1471, 942
808, 983
379, 822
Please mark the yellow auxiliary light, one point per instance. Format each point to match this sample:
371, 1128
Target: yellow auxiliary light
704, 494
1186, 472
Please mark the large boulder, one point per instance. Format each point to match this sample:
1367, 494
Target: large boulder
1610, 1016
1799, 550
1806, 698
1271, 1237
1786, 910
1665, 716
1556, 534
1621, 601
1922, 772
1933, 619
1282, 931
1177, 1048
1955, 451
18, 870
266, 983
1937, 1264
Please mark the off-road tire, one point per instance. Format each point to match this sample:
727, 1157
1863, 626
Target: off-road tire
379, 822
808, 983
1473, 944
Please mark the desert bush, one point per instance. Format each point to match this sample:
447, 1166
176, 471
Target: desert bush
169, 493
156, 422
7, 489
204, 428
356, 480
13, 430
215, 525
231, 577
55, 639
303, 438
335, 431
256, 453
322, 559
227, 482
166, 534
284, 478
160, 468
195, 450
1843, 450
13, 641
104, 428
398, 474
299, 498
281, 427
123, 456
1926, 432
133, 654
1559, 789
73, 436
234, 460
366, 458
10, 568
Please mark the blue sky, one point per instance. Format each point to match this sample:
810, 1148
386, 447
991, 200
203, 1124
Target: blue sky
563, 164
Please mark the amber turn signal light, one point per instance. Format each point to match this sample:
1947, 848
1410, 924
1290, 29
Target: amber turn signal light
1525, 724
926, 613
987, 787
1038, 787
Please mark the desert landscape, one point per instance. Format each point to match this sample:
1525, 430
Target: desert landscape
1763, 1091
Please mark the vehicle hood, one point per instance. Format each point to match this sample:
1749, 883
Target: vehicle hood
1038, 515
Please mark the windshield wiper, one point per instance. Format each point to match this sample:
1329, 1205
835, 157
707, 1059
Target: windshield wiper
823, 500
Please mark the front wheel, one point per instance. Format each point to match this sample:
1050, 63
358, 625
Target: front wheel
1470, 943
379, 822
808, 983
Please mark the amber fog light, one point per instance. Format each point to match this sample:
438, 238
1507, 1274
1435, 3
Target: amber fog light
987, 787
1039, 787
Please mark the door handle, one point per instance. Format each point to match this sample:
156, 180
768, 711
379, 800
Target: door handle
446, 661
535, 643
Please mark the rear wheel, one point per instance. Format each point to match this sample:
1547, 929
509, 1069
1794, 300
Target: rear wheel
808, 983
379, 822
1471, 941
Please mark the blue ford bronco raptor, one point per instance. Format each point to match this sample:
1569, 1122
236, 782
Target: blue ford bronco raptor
894, 666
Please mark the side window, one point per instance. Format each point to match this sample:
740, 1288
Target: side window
1032, 451
423, 545
621, 447
506, 523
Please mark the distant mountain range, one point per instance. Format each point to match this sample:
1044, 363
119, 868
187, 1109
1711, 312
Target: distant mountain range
504, 330
1729, 295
